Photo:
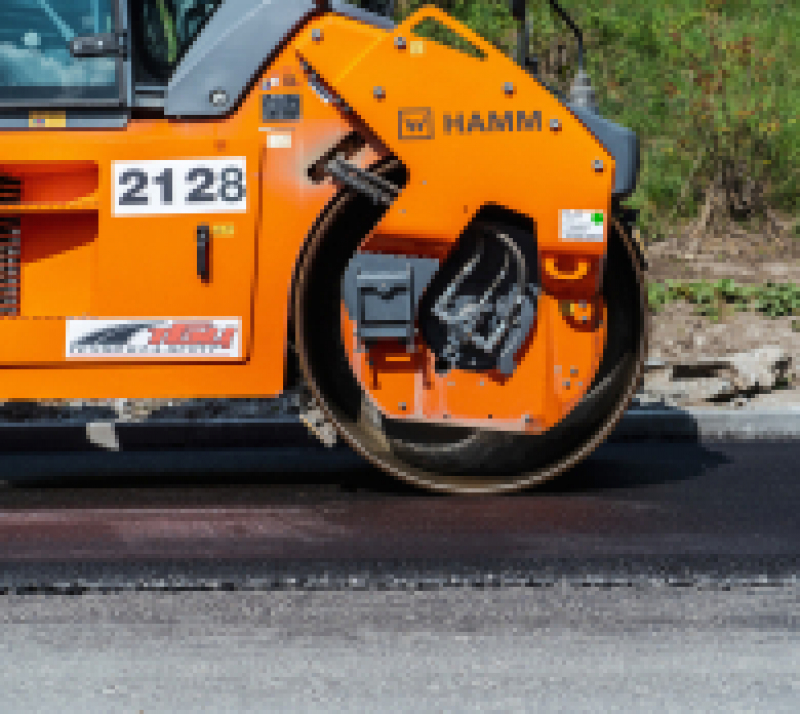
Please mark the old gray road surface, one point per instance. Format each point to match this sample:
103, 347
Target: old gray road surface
561, 649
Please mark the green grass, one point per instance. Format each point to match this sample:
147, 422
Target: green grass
713, 298
712, 87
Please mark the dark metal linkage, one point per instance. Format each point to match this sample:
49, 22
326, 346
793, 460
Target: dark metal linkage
575, 29
518, 11
377, 188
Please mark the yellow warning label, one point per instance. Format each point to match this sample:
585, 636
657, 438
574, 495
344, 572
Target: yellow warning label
417, 47
47, 120
226, 229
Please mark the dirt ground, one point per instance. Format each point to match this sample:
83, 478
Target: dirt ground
770, 251
679, 336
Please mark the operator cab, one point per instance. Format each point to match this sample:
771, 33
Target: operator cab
39, 69
93, 62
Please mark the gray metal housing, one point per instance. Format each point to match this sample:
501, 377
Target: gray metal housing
234, 45
619, 141
340, 7
382, 292
229, 52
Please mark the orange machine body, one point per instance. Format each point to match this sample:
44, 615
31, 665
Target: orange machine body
471, 132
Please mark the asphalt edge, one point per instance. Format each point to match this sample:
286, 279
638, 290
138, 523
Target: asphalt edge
78, 578
701, 424
638, 425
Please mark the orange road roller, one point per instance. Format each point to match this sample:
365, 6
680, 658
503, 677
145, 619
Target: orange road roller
236, 198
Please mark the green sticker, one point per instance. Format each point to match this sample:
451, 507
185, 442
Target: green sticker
597, 218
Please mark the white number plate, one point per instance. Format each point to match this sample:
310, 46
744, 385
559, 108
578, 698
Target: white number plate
146, 188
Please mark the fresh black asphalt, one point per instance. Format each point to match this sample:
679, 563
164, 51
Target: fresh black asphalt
676, 514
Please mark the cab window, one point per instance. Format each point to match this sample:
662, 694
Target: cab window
35, 62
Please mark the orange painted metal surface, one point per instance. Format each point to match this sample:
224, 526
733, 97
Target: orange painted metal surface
79, 260
475, 141
466, 155
556, 367
488, 144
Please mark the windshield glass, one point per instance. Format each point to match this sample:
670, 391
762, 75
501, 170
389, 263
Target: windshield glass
35, 63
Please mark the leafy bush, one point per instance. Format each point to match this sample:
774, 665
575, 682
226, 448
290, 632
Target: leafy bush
772, 299
712, 88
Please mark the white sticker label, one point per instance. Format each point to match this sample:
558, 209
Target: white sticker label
147, 188
194, 337
575, 225
279, 141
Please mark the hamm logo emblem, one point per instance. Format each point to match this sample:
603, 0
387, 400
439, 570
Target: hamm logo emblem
416, 123
196, 338
480, 123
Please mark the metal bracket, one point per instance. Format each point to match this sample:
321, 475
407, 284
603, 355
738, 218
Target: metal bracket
316, 422
376, 187
382, 292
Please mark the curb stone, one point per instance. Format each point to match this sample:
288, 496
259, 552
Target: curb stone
708, 424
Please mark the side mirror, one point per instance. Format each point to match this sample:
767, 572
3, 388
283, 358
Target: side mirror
518, 10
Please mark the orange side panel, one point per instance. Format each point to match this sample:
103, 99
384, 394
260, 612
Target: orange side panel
57, 270
80, 260
474, 132
471, 141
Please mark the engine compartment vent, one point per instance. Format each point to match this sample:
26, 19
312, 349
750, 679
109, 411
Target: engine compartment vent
10, 189
10, 248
